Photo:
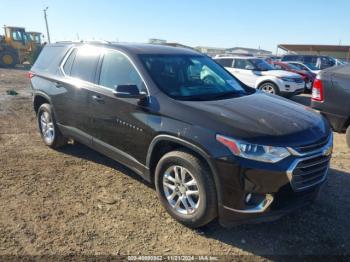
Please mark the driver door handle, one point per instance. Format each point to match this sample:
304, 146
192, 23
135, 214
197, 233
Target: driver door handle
98, 99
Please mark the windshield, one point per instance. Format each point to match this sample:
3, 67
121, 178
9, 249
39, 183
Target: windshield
261, 65
293, 67
187, 77
312, 66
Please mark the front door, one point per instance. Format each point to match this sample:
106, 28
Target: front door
120, 124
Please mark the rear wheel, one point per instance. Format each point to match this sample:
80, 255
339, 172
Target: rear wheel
186, 189
348, 136
8, 59
269, 88
49, 131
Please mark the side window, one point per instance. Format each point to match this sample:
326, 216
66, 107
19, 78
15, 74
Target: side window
69, 62
241, 63
225, 62
118, 70
277, 66
85, 63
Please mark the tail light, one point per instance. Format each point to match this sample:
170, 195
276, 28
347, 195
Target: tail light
29, 75
317, 90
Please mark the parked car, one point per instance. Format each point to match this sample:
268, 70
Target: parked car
331, 96
320, 62
212, 148
307, 76
306, 67
257, 73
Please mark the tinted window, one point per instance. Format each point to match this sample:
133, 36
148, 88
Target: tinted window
50, 58
225, 62
241, 63
69, 63
186, 77
118, 70
290, 58
85, 63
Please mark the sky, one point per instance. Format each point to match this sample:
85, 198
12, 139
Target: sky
220, 23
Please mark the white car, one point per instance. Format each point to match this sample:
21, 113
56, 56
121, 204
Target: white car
257, 73
306, 67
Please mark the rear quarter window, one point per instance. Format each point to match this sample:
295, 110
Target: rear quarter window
225, 62
50, 59
85, 63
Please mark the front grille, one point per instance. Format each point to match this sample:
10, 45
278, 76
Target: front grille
309, 172
312, 147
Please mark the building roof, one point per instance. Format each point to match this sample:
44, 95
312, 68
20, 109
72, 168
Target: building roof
247, 49
315, 48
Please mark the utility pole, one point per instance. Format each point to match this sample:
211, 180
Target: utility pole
47, 25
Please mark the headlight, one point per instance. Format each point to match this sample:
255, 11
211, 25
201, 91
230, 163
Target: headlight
268, 154
287, 79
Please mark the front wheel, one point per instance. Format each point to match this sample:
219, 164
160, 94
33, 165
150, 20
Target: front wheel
269, 88
186, 189
49, 131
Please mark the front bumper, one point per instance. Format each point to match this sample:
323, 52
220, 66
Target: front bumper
256, 192
291, 87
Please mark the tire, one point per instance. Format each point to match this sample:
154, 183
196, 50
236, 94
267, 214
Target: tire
348, 136
8, 59
270, 88
49, 131
202, 207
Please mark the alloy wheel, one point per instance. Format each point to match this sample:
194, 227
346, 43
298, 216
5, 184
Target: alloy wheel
181, 190
47, 127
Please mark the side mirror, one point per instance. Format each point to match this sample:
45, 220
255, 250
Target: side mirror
249, 67
129, 91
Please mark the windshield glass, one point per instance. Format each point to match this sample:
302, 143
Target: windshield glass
312, 66
261, 65
187, 77
293, 67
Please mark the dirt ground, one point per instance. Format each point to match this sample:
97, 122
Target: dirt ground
76, 201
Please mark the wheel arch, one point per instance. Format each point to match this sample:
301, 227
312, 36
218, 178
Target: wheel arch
163, 144
39, 99
264, 81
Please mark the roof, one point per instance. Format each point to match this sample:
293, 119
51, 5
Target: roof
137, 49
316, 48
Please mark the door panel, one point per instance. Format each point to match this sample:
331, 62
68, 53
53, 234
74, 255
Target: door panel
119, 122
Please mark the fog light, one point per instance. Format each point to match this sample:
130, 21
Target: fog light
248, 198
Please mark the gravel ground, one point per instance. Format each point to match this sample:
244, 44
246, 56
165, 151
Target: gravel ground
76, 201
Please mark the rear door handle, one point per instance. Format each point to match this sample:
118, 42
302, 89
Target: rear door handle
58, 84
98, 99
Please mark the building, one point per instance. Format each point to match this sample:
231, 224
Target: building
239, 51
211, 51
248, 51
157, 41
336, 51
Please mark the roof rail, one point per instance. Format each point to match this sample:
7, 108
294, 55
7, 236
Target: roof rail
87, 42
97, 42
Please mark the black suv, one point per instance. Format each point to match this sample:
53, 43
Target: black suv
212, 146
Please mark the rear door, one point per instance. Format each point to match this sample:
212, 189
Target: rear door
119, 124
80, 70
241, 71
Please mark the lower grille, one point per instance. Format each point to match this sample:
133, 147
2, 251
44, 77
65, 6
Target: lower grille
309, 172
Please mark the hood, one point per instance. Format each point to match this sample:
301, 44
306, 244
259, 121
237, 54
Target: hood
280, 73
263, 119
